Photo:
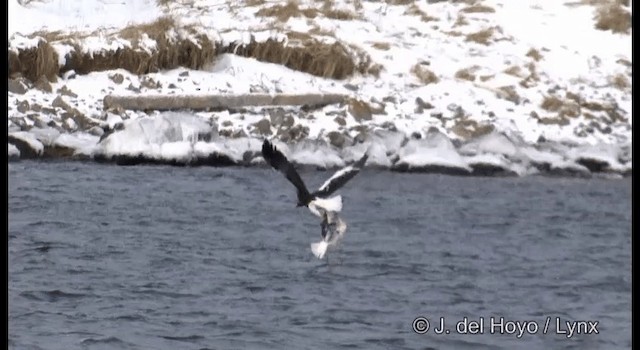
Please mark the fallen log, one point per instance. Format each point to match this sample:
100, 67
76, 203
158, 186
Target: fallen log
164, 102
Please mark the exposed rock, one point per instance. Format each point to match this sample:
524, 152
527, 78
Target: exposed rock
43, 84
17, 86
421, 105
227, 123
96, 130
263, 127
293, 134
149, 83
66, 92
351, 87
336, 139
340, 121
389, 125
23, 106
360, 110
117, 78
389, 99
184, 73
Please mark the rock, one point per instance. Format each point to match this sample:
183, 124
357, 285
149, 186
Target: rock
173, 86
117, 78
17, 86
420, 103
184, 74
263, 127
43, 84
149, 83
293, 134
133, 88
227, 123
340, 121
66, 92
389, 99
96, 130
351, 87
336, 139
389, 125
360, 110
59, 102
23, 107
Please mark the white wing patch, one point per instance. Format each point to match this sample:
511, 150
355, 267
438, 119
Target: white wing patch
327, 204
338, 174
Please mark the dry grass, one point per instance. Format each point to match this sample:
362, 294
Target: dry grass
35, 62
168, 53
414, 10
292, 9
461, 21
515, 71
425, 75
467, 73
551, 104
399, 2
478, 9
325, 60
535, 54
381, 46
252, 3
481, 37
620, 81
613, 17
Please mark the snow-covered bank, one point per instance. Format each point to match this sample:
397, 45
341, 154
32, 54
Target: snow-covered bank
491, 88
188, 140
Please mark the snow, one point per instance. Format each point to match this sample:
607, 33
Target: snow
561, 33
78, 16
13, 151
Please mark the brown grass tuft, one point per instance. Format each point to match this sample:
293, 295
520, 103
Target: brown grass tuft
516, 71
551, 104
291, 9
614, 18
313, 57
461, 21
478, 9
381, 46
620, 81
169, 53
414, 10
466, 73
425, 75
35, 62
481, 37
535, 54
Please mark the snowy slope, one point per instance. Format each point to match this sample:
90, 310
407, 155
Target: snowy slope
529, 70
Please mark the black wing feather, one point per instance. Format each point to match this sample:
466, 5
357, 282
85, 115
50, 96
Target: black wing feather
340, 178
278, 161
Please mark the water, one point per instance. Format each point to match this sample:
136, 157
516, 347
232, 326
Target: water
107, 257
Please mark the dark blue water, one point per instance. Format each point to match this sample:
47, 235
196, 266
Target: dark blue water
107, 257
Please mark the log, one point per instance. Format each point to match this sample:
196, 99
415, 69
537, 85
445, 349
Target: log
164, 102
